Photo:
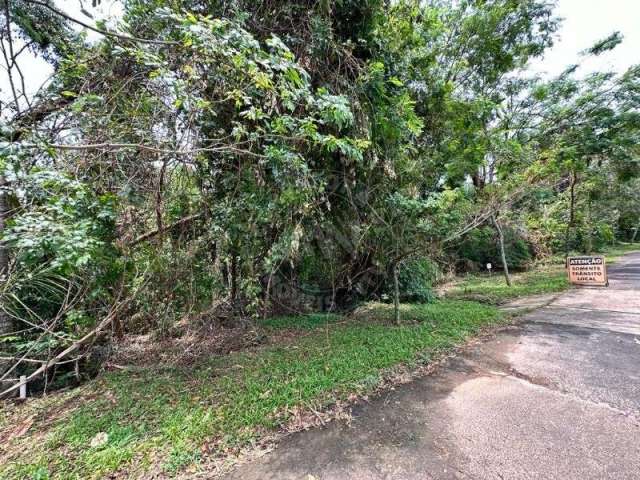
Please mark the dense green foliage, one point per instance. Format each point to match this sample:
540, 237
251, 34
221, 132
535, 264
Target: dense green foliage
480, 248
416, 279
247, 159
216, 166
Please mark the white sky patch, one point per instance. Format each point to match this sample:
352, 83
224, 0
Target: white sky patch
585, 22
36, 71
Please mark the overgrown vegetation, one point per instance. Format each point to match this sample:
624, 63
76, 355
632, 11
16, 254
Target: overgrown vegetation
547, 276
180, 416
230, 163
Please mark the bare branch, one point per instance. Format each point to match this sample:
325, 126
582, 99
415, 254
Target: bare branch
153, 233
106, 146
108, 320
98, 30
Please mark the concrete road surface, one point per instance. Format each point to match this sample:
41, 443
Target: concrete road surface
555, 397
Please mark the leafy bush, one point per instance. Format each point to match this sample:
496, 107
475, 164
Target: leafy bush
628, 222
591, 238
66, 226
416, 279
480, 247
517, 250
64, 264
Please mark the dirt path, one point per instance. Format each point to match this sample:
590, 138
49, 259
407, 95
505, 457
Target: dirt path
556, 397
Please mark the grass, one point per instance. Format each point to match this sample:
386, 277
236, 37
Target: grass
167, 420
163, 420
303, 322
545, 277
494, 290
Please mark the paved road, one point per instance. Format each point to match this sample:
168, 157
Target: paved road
556, 397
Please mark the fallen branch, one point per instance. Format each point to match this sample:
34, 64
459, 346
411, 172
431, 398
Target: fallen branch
25, 360
25, 122
117, 146
72, 348
33, 360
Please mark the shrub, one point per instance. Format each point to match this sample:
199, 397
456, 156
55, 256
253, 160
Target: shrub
480, 247
416, 278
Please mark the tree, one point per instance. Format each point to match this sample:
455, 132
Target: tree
212, 151
5, 321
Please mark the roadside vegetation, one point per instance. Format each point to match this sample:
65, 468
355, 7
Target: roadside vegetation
307, 369
220, 219
543, 277
177, 418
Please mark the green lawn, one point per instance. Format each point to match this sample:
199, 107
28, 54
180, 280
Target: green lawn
163, 419
545, 277
494, 290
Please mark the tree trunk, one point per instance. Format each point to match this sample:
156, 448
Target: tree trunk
396, 293
6, 326
635, 234
588, 247
267, 292
233, 278
572, 207
5, 320
503, 256
158, 204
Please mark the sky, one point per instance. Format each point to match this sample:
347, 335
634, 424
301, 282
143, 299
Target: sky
585, 22
36, 70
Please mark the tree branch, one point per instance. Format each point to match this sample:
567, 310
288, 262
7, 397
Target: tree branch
158, 231
145, 147
98, 30
58, 358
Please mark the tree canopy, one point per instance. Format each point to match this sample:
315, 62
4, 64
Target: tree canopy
249, 158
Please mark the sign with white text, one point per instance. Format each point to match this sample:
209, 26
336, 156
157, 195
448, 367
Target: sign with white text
588, 270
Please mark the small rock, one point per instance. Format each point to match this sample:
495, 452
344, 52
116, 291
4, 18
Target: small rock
99, 440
